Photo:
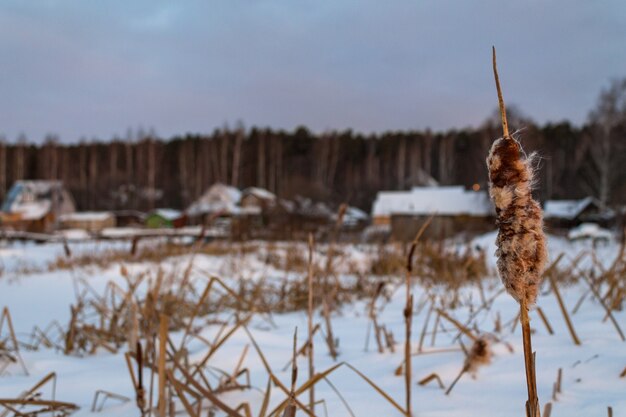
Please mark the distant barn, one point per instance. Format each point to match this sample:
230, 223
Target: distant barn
219, 200
35, 205
565, 214
455, 209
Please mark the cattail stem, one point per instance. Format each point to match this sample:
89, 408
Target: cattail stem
532, 406
505, 124
310, 324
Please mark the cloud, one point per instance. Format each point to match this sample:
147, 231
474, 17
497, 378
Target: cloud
84, 69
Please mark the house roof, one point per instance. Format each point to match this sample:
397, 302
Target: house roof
448, 201
167, 214
261, 193
567, 209
219, 197
31, 199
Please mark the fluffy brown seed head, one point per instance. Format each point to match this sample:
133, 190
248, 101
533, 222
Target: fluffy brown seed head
480, 354
521, 242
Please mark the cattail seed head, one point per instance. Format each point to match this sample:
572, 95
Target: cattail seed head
521, 242
480, 354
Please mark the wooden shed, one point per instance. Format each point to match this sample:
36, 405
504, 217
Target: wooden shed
165, 218
455, 210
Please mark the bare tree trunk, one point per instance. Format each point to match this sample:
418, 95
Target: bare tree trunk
236, 158
272, 165
93, 176
260, 180
605, 167
334, 160
401, 164
151, 172
224, 158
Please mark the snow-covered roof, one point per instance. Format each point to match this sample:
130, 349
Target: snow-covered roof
87, 216
445, 201
219, 197
261, 193
589, 231
566, 209
33, 199
355, 213
353, 216
167, 214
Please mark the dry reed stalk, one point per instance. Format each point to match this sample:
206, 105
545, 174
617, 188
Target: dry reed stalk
556, 388
425, 327
606, 308
6, 317
290, 410
521, 242
566, 316
105, 395
432, 377
463, 329
408, 316
547, 409
310, 349
330, 339
609, 411
545, 320
163, 327
623, 374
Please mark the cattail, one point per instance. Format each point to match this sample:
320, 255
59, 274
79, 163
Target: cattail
521, 242
480, 354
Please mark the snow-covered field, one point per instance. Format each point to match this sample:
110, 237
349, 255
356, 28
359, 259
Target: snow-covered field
590, 372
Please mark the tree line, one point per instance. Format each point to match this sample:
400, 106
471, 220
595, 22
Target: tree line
146, 172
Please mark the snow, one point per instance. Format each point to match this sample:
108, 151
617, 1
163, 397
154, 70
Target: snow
590, 372
168, 214
453, 200
33, 210
591, 231
93, 216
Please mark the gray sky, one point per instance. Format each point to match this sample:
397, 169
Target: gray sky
96, 68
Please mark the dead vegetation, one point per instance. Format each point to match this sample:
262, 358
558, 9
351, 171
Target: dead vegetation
154, 317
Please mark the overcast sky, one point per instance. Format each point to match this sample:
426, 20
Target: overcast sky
96, 68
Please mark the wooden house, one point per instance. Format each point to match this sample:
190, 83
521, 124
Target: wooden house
219, 200
455, 210
35, 205
566, 214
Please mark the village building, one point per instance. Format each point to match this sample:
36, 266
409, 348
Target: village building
566, 214
91, 221
35, 205
219, 200
257, 199
354, 219
455, 210
165, 218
